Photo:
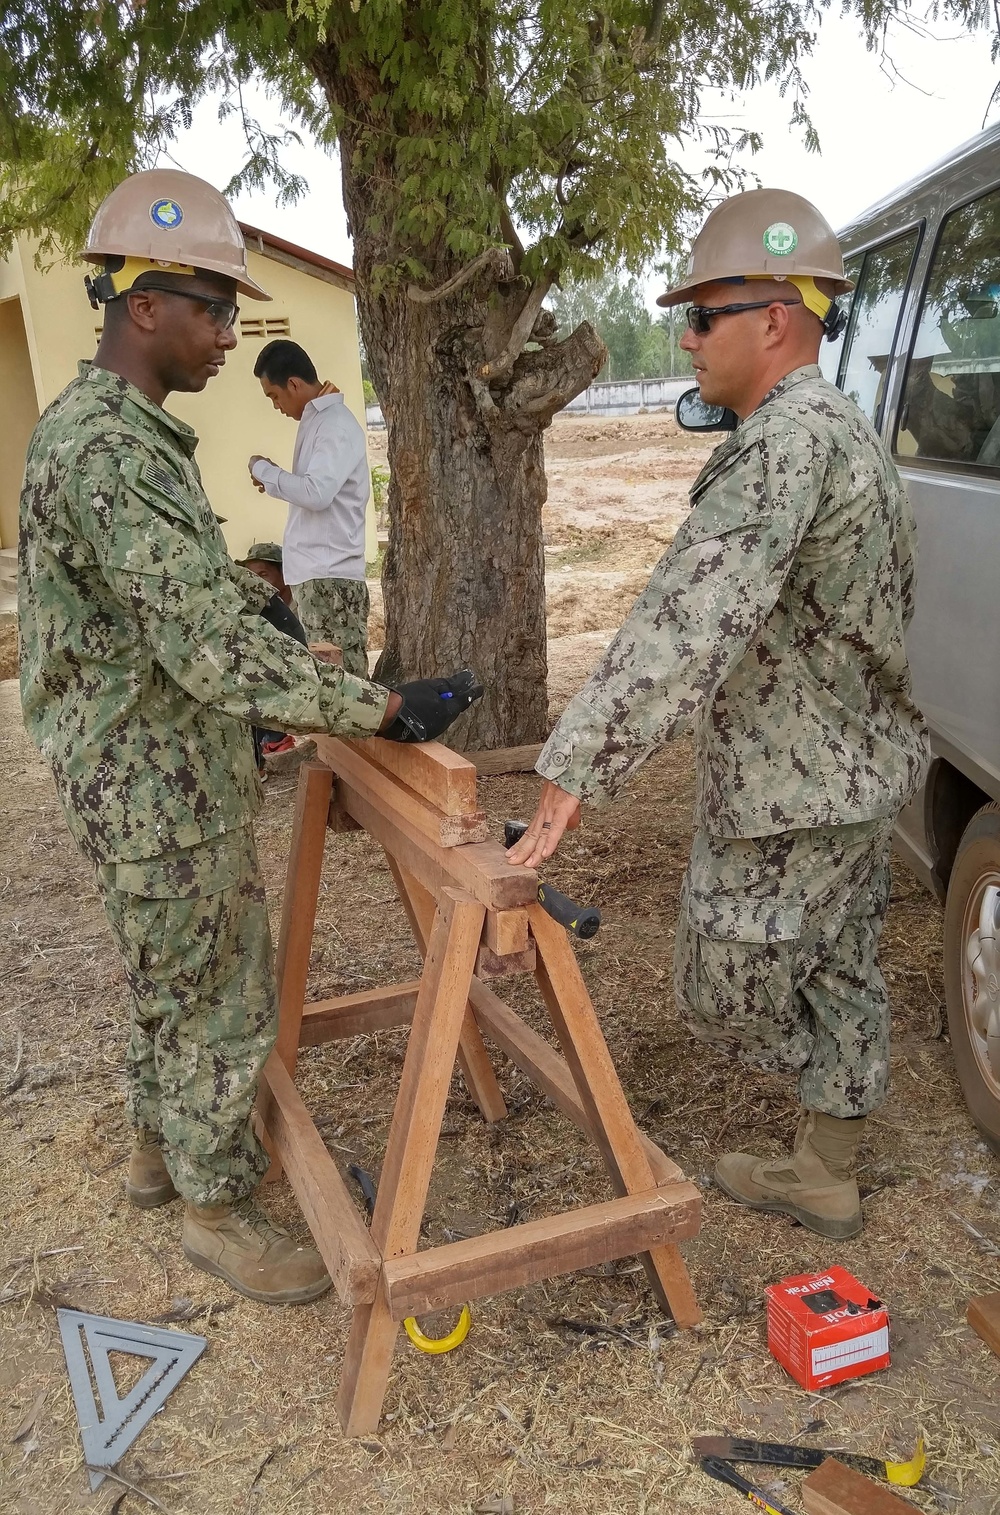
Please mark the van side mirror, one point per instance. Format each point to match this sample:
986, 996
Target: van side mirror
692, 414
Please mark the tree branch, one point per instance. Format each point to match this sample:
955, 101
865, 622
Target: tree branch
520, 331
544, 382
498, 256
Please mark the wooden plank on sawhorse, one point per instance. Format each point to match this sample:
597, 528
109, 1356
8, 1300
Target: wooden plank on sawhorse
464, 902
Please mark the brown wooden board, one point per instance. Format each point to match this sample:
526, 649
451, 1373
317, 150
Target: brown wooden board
537, 1249
492, 965
506, 931
298, 906
327, 1020
351, 1257
350, 761
984, 1317
481, 868
837, 1490
443, 778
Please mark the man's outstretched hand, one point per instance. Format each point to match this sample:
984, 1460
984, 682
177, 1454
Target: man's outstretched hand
557, 812
429, 706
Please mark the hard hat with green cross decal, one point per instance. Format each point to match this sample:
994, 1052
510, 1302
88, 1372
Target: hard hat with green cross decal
765, 234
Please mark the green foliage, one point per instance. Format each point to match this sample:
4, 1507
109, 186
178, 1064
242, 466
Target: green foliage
371, 398
639, 347
463, 119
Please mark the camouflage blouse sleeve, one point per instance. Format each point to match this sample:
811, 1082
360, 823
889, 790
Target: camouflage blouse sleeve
707, 599
254, 591
145, 539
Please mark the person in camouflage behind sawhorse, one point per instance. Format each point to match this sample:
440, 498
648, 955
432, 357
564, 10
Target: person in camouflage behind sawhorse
145, 657
773, 626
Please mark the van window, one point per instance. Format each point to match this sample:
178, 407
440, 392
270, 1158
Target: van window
830, 353
874, 318
951, 402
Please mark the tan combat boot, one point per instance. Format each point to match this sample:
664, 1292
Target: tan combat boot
238, 1243
148, 1183
816, 1184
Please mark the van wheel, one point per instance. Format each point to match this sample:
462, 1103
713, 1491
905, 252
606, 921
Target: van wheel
972, 968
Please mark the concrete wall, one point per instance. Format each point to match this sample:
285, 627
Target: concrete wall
231, 415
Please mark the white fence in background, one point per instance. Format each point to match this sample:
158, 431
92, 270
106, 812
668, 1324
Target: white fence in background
620, 397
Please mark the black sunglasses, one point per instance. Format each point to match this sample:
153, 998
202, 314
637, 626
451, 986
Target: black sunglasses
222, 313
699, 317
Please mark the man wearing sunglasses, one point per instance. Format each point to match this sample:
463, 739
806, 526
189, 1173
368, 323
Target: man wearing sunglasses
773, 626
144, 662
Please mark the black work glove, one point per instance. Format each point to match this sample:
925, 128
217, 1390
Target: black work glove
430, 705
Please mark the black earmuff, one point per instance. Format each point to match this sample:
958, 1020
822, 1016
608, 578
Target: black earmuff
835, 321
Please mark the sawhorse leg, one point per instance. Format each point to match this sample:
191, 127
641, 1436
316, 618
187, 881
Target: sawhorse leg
413, 1138
603, 1098
473, 1058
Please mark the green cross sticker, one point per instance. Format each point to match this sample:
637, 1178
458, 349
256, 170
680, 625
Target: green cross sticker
780, 239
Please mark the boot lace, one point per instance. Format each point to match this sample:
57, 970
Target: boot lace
256, 1221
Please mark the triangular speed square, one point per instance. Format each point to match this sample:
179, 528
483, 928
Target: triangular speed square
108, 1432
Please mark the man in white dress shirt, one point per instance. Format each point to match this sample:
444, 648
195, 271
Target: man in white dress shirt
326, 492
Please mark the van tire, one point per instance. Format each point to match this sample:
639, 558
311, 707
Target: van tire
976, 867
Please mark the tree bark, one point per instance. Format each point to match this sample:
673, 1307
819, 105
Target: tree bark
464, 572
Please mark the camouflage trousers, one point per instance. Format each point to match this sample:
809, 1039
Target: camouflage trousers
336, 610
776, 958
193, 932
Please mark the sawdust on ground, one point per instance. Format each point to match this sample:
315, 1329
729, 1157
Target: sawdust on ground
572, 1395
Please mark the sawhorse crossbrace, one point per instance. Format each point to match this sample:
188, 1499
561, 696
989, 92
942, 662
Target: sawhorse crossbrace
474, 917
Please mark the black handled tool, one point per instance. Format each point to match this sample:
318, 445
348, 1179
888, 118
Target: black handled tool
716, 1468
580, 920
783, 1455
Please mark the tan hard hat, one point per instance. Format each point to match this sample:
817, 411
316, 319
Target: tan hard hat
763, 233
172, 221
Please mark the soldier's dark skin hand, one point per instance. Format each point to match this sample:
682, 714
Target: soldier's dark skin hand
557, 812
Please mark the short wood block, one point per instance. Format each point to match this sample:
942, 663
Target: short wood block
443, 778
506, 931
547, 1248
338, 820
983, 1316
352, 761
507, 759
491, 964
837, 1490
351, 1257
327, 1020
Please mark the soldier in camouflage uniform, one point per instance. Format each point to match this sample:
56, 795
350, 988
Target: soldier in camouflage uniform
774, 627
144, 659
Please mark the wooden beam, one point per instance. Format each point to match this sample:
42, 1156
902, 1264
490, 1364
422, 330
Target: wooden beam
443, 778
391, 795
506, 759
491, 965
547, 1248
481, 869
549, 1072
351, 1257
983, 1316
327, 1020
834, 1489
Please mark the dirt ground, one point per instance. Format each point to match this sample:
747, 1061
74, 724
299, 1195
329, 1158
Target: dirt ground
573, 1395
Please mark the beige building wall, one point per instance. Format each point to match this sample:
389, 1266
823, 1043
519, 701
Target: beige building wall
231, 416
19, 411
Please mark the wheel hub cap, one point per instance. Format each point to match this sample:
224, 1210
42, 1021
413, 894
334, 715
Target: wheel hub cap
983, 954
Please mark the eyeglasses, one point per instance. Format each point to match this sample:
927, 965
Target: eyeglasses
699, 317
222, 313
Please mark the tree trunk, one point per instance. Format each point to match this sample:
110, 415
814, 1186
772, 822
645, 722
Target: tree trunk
465, 406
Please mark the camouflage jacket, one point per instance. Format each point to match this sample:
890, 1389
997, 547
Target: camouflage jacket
773, 625
143, 660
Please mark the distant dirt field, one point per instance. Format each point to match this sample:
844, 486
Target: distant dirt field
573, 1396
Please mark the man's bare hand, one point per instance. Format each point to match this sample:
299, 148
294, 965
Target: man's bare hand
557, 812
257, 458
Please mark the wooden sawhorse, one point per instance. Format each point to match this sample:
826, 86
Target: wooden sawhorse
474, 917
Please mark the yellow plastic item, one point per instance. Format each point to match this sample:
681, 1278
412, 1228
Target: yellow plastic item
444, 1343
906, 1474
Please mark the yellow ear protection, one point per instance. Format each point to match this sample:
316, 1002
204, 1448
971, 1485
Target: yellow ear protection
832, 315
121, 273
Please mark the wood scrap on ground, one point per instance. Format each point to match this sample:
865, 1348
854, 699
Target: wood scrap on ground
984, 1318
837, 1490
